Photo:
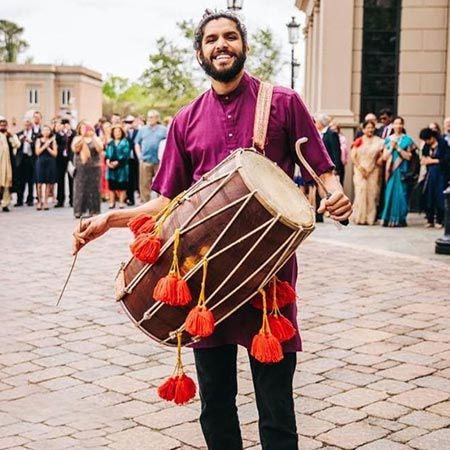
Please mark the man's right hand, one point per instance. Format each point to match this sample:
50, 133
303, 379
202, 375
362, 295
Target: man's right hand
88, 230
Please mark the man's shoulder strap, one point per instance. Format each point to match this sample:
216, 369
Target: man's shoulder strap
262, 115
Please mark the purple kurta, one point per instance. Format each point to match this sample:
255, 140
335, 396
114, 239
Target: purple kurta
204, 133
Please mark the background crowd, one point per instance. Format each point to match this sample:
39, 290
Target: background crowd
391, 173
116, 159
112, 160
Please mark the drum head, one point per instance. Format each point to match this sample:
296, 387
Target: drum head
276, 191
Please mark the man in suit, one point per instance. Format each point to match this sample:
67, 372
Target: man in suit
385, 117
64, 139
25, 161
332, 144
130, 125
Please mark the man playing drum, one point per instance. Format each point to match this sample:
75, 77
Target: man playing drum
202, 135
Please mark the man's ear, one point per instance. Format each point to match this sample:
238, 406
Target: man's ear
197, 55
248, 50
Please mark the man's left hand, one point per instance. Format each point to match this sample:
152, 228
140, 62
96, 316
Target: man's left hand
337, 207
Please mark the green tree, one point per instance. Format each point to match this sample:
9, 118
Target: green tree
11, 42
264, 60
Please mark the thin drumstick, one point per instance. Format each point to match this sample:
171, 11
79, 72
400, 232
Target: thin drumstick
70, 272
311, 171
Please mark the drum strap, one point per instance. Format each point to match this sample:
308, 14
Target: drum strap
262, 115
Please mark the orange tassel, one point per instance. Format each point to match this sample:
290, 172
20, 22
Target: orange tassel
146, 248
266, 348
166, 290
137, 222
277, 291
285, 294
167, 390
147, 227
184, 295
179, 387
184, 390
200, 322
281, 327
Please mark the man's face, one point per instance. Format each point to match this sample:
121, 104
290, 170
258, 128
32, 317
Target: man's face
3, 126
222, 53
27, 124
447, 125
152, 119
385, 119
37, 118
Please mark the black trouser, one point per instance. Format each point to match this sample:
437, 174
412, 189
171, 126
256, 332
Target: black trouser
25, 175
217, 378
61, 170
431, 213
133, 179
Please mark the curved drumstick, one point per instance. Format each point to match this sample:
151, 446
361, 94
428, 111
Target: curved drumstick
313, 174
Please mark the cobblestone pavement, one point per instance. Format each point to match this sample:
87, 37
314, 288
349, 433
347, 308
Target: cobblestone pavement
375, 373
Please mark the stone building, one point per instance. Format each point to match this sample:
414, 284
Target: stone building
363, 55
53, 90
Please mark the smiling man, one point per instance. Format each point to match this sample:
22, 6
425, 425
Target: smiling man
202, 135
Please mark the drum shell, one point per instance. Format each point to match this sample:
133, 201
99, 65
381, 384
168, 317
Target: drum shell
244, 258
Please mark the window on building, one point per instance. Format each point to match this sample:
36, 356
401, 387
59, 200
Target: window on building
65, 97
33, 96
380, 55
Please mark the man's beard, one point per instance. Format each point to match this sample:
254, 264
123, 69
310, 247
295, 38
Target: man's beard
226, 75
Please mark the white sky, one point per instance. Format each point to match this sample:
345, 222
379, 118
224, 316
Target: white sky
116, 36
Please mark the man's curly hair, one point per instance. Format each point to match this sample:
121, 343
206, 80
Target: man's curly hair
214, 15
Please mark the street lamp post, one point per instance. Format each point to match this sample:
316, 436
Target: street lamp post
294, 36
235, 5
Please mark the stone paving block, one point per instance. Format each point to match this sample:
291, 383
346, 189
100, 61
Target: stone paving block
49, 374
428, 348
406, 372
439, 439
168, 417
407, 434
442, 409
53, 444
139, 437
319, 390
435, 382
188, 433
320, 365
391, 386
352, 377
12, 441
312, 426
386, 410
306, 405
340, 416
356, 398
384, 444
352, 435
122, 384
423, 419
420, 398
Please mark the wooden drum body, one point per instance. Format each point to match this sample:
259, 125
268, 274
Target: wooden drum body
247, 216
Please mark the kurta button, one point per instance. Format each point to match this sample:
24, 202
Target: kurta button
229, 116
230, 134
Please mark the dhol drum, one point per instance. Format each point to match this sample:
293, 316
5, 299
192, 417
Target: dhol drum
247, 217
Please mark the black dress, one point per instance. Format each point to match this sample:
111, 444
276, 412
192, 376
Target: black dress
45, 167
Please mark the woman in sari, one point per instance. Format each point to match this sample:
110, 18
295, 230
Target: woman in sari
398, 148
366, 154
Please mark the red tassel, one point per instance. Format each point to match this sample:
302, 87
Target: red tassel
137, 222
184, 390
266, 348
146, 248
257, 301
281, 327
146, 227
167, 390
285, 293
184, 295
200, 322
166, 290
